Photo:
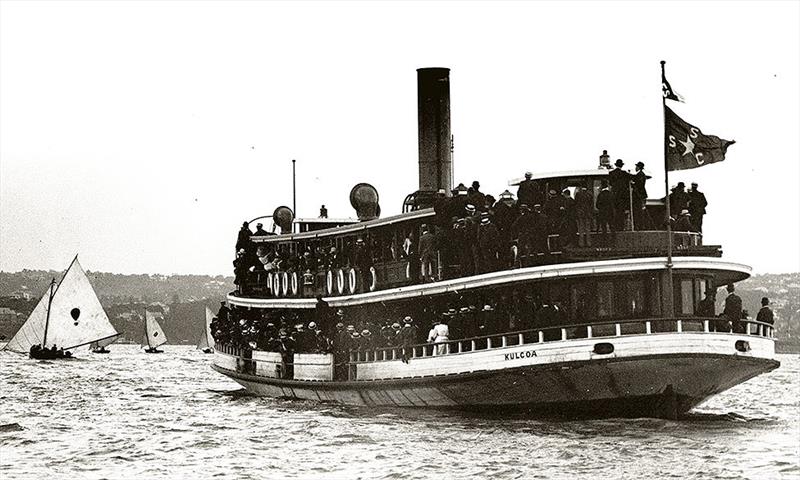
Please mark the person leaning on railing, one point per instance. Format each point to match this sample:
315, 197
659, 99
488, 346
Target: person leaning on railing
765, 314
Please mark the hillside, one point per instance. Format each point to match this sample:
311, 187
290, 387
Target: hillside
181, 298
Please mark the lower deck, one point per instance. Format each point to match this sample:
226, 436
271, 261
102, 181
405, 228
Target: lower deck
655, 373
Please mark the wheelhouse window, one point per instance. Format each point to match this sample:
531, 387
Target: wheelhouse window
688, 292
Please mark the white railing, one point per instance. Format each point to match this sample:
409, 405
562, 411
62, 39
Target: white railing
560, 333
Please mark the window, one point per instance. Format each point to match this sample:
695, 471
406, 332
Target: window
605, 299
581, 303
686, 296
635, 298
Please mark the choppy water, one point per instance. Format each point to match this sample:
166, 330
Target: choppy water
133, 415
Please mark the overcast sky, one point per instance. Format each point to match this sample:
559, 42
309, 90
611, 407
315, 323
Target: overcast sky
140, 135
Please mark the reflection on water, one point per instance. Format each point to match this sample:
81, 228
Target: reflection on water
129, 414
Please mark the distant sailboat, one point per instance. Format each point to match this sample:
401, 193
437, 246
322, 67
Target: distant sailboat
100, 346
206, 343
153, 334
68, 316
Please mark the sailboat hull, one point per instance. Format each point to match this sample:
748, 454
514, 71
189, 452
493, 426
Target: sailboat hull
49, 355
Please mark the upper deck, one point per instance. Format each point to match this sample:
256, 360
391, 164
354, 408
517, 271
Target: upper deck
559, 218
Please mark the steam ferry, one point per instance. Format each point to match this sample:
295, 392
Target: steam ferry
623, 337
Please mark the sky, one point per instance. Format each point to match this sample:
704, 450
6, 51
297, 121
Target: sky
140, 135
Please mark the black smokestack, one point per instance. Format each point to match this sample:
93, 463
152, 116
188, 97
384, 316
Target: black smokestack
433, 113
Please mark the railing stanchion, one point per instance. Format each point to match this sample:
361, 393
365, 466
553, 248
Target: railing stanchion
705, 326
521, 339
472, 345
563, 334
503, 341
680, 326
541, 336
488, 343
618, 329
589, 331
460, 348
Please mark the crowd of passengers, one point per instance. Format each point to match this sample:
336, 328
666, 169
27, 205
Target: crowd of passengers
474, 233
282, 330
285, 332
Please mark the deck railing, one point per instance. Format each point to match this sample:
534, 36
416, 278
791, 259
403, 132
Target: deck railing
337, 281
560, 333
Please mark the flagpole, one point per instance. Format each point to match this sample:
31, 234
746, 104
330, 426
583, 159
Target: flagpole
669, 307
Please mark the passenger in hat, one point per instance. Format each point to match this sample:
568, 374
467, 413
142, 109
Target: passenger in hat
620, 181
438, 335
733, 309
605, 208
765, 315
260, 230
697, 207
475, 196
639, 188
243, 240
684, 222
526, 193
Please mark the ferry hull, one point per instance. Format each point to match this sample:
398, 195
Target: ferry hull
651, 385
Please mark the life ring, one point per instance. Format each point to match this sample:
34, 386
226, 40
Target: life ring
285, 283
352, 280
329, 282
269, 281
373, 284
408, 270
276, 284
340, 281
294, 284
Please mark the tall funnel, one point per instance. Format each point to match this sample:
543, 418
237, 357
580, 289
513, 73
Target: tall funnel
433, 112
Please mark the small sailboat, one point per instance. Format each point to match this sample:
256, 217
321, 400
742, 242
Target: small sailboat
68, 316
100, 346
153, 334
206, 342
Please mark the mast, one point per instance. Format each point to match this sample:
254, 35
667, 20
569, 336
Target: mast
146, 335
294, 188
47, 319
669, 306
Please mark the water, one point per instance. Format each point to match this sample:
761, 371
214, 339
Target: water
133, 415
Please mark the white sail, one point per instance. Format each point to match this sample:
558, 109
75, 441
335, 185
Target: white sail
32, 331
103, 343
76, 316
206, 339
153, 334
